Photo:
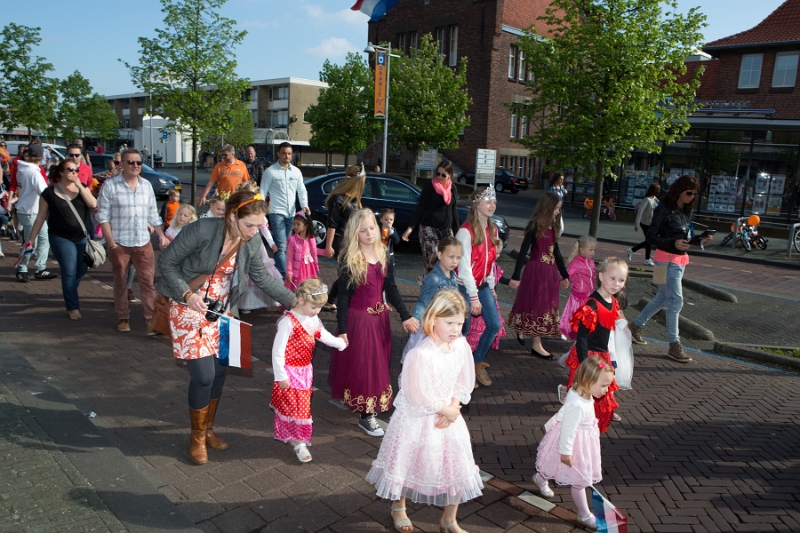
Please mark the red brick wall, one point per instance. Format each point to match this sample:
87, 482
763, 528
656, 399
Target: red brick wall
523, 13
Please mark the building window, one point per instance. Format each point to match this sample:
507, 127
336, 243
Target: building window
413, 39
126, 104
440, 37
512, 162
512, 62
750, 72
523, 126
278, 119
513, 125
521, 75
401, 42
785, 69
453, 45
278, 93
127, 123
521, 171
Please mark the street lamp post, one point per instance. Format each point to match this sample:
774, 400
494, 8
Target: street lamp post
370, 49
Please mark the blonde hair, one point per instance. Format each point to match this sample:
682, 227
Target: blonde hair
249, 185
353, 259
183, 207
580, 244
542, 216
608, 263
445, 304
472, 218
351, 187
307, 289
588, 374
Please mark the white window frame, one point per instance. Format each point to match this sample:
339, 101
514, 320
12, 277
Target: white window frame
401, 42
414, 40
453, 46
747, 71
441, 34
513, 125
512, 62
521, 68
523, 126
784, 80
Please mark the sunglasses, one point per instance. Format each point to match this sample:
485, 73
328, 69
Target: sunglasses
690, 193
70, 169
73, 155
441, 175
137, 163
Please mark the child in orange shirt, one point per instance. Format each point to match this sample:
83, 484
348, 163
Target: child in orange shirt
170, 207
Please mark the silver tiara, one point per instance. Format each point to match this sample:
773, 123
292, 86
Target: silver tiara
323, 289
363, 172
486, 196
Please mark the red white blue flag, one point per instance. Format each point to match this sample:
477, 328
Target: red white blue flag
24, 254
376, 9
609, 518
235, 348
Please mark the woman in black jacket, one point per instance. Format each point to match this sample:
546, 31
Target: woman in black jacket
340, 204
436, 212
669, 233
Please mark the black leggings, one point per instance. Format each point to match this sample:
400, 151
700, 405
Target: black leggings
333, 293
208, 377
646, 245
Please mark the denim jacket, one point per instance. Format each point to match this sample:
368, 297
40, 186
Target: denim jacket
434, 282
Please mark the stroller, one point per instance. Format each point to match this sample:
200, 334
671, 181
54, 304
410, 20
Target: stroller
8, 219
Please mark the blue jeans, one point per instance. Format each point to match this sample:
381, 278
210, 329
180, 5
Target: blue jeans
490, 317
69, 255
669, 295
281, 229
41, 247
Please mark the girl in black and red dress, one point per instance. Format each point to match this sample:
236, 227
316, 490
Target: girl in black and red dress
594, 322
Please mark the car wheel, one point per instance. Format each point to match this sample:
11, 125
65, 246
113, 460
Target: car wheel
320, 230
498, 187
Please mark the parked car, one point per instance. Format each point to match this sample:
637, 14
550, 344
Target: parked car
161, 181
380, 191
56, 149
503, 181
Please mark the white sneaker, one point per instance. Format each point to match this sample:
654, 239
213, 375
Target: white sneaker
630, 255
370, 426
649, 262
588, 521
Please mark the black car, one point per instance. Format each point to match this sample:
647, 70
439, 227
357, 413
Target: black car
503, 181
161, 181
380, 191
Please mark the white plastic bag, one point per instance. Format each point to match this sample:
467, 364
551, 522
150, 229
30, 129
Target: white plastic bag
620, 348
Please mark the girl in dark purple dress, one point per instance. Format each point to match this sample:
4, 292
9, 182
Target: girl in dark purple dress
535, 310
359, 375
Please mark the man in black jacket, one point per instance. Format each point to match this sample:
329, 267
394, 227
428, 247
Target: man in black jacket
254, 165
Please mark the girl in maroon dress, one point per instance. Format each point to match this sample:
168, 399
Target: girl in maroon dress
535, 310
359, 375
594, 322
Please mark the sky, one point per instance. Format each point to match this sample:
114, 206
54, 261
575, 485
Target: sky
286, 38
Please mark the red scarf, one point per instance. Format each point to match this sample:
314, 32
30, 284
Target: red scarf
445, 189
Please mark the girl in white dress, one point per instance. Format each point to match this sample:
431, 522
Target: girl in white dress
426, 453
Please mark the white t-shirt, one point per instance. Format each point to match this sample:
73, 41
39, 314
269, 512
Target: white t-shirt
30, 185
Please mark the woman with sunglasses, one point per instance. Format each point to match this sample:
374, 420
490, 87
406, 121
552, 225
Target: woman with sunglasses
207, 266
436, 213
67, 237
669, 233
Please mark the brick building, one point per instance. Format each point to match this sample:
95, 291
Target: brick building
485, 32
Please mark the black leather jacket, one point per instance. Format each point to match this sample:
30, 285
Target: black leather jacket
668, 225
339, 213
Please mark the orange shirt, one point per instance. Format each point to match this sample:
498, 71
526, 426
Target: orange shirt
228, 177
170, 212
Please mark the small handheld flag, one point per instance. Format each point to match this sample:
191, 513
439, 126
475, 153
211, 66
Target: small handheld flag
609, 518
24, 254
235, 348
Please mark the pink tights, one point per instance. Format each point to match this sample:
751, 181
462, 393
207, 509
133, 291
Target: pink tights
579, 497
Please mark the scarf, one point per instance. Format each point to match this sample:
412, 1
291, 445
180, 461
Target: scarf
445, 189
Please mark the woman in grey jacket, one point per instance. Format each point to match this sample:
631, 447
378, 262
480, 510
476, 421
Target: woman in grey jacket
644, 214
208, 263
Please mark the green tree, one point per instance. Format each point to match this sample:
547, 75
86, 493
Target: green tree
27, 94
606, 80
81, 113
240, 133
341, 120
189, 70
428, 100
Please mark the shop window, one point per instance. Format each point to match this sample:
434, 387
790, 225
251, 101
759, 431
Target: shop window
785, 69
512, 62
750, 71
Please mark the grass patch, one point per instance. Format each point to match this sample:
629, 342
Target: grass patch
792, 353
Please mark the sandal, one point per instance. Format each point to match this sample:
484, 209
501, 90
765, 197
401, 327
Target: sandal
616, 418
302, 453
403, 525
562, 393
542, 486
445, 528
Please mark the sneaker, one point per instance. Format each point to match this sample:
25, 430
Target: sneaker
630, 255
123, 325
676, 353
588, 521
636, 334
151, 330
649, 262
481, 375
23, 277
131, 297
370, 426
45, 274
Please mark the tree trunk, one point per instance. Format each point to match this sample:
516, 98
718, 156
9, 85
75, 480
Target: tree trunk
194, 165
598, 198
346, 158
413, 167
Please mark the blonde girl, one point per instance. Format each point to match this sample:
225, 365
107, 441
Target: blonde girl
359, 375
216, 208
581, 270
184, 215
570, 450
426, 430
292, 350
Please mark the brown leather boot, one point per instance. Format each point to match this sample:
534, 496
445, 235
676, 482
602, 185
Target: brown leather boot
197, 444
213, 440
481, 375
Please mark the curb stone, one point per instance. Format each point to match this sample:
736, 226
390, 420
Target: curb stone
711, 292
750, 352
686, 326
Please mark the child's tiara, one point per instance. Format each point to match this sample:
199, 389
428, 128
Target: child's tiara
486, 196
363, 172
323, 289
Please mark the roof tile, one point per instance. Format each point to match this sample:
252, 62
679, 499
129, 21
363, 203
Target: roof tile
781, 25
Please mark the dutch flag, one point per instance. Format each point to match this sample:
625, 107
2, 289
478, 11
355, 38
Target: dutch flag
376, 9
24, 254
609, 518
235, 347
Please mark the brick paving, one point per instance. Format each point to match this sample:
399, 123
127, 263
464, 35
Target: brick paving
712, 446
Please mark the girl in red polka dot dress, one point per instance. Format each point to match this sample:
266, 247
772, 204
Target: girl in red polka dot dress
292, 350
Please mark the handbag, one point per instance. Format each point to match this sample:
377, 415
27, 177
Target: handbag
660, 275
162, 303
94, 255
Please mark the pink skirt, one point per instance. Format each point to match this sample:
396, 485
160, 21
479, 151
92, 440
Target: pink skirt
574, 302
585, 470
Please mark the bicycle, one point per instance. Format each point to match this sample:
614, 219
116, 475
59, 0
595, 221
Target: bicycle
606, 212
748, 234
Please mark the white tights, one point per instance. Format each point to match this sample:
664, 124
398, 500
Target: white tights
579, 497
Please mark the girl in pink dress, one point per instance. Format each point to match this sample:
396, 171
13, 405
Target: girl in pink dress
301, 253
292, 349
426, 454
581, 271
570, 450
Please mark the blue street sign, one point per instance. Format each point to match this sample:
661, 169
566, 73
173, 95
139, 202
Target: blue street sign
165, 135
